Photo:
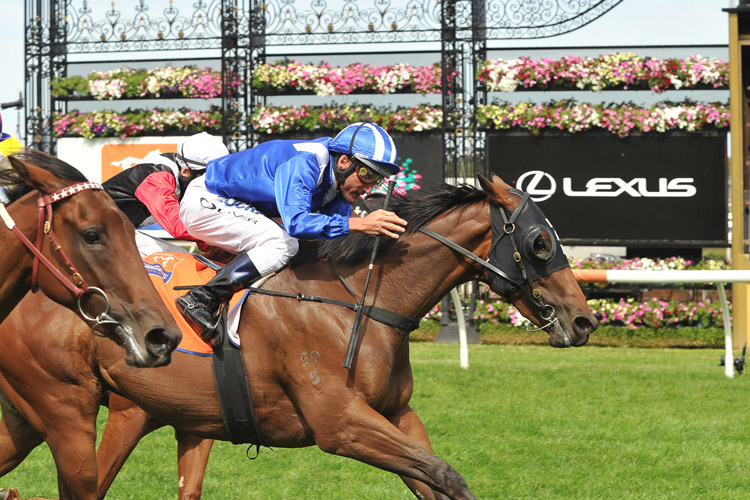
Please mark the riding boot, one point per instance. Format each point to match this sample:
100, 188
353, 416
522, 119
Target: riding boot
201, 304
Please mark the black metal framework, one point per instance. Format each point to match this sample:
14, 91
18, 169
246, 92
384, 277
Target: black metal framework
242, 30
45, 58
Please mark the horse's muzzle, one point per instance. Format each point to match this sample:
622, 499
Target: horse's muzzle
156, 349
574, 333
160, 343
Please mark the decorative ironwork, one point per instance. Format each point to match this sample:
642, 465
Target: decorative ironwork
233, 60
463, 48
142, 30
46, 58
526, 19
352, 21
241, 30
319, 22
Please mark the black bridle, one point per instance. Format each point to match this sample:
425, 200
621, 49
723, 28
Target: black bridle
490, 265
492, 270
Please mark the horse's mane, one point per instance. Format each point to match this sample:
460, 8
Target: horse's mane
17, 186
417, 208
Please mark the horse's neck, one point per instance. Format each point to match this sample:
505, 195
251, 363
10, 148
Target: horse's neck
17, 259
420, 270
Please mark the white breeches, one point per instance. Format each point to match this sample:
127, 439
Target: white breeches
148, 244
236, 227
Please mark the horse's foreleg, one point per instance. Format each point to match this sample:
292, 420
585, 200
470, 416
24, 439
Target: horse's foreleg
192, 453
126, 425
363, 434
408, 422
17, 439
73, 449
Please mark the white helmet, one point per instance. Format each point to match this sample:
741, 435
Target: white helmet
199, 149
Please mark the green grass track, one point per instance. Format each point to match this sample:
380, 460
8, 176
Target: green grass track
523, 422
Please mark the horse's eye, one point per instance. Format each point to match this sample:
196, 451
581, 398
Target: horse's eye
91, 237
539, 245
542, 245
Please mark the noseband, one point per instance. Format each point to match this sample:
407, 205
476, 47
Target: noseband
76, 283
546, 311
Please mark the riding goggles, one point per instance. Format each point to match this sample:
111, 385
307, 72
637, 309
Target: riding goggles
368, 175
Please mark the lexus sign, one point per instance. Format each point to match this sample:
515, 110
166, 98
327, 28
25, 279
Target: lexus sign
604, 186
653, 189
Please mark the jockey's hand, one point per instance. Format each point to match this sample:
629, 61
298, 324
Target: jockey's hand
378, 222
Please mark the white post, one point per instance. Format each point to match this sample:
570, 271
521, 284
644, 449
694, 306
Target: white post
728, 354
692, 276
463, 343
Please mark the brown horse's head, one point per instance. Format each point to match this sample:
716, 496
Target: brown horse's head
537, 277
98, 240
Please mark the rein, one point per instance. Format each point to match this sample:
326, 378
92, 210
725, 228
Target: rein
76, 284
389, 318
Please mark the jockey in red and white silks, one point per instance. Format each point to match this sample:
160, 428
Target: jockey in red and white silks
151, 191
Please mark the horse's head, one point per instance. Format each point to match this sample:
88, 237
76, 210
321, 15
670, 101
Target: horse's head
97, 268
536, 277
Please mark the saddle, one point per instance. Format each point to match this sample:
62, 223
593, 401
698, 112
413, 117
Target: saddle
171, 273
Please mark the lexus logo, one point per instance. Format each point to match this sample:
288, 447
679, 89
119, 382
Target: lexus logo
540, 185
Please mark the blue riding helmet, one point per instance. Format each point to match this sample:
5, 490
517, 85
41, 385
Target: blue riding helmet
369, 144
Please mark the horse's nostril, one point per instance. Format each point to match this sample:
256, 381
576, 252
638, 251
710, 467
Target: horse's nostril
584, 325
160, 343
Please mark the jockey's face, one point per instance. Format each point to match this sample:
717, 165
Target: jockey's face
191, 174
353, 187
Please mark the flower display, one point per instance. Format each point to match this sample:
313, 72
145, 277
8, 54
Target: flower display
647, 264
280, 119
656, 313
613, 71
266, 119
628, 312
132, 123
326, 80
183, 81
621, 119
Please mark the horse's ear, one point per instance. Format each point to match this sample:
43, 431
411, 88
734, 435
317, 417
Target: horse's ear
36, 177
497, 190
497, 180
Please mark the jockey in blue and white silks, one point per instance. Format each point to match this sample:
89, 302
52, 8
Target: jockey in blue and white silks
309, 184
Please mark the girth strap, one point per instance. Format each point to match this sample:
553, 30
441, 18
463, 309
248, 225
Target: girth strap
233, 390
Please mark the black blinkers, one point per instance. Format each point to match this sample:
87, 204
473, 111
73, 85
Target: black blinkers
524, 245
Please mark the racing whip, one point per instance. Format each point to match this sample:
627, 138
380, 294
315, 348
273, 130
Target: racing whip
361, 304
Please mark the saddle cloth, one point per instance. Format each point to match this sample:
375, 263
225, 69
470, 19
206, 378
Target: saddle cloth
171, 269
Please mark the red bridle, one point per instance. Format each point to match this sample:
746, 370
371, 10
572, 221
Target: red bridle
77, 284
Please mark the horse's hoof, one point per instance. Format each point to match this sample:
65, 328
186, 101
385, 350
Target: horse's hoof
11, 494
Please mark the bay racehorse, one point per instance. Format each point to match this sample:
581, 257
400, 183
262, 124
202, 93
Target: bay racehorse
301, 398
79, 250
